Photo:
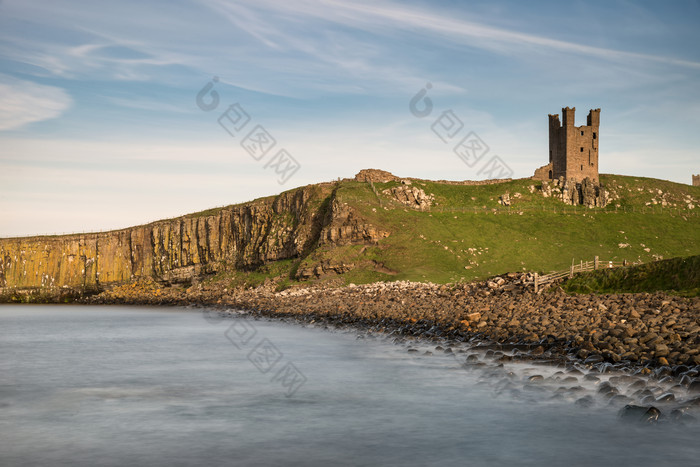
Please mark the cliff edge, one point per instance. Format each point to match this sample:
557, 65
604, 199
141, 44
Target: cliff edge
375, 227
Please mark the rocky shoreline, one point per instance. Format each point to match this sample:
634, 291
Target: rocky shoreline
523, 345
645, 333
615, 340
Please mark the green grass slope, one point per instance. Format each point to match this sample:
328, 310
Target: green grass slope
679, 275
467, 235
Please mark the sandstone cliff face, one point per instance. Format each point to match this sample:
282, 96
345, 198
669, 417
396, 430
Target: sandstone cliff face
171, 251
343, 226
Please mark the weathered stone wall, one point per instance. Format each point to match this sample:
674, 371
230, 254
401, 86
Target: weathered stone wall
492, 181
171, 251
543, 173
382, 176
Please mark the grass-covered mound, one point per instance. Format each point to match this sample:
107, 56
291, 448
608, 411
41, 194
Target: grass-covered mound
467, 235
680, 276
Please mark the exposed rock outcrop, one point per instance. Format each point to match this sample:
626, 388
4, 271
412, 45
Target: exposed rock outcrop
323, 268
411, 196
586, 193
375, 175
343, 226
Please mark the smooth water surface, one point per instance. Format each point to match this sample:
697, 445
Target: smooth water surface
117, 386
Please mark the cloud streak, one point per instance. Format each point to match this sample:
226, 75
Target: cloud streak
383, 18
24, 102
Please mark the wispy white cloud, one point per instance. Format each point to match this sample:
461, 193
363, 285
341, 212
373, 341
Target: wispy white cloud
387, 17
486, 35
291, 48
23, 102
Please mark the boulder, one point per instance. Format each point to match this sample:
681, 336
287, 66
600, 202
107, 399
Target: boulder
639, 414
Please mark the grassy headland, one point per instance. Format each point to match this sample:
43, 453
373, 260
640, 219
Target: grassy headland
467, 235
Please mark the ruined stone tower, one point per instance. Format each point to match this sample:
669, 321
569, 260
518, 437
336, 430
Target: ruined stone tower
696, 180
573, 150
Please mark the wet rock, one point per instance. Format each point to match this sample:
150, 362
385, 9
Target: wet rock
585, 401
593, 359
681, 416
648, 400
591, 377
663, 371
606, 389
694, 386
639, 384
666, 397
685, 381
639, 414
619, 399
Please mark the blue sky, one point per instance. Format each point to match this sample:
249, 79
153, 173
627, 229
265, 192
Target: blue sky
100, 127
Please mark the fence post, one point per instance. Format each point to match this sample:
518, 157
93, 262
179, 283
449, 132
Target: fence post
536, 283
595, 262
571, 272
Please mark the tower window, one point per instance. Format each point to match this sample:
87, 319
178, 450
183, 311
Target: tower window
581, 166
581, 149
581, 132
594, 135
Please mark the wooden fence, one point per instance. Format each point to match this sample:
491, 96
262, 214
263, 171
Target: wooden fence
374, 189
583, 266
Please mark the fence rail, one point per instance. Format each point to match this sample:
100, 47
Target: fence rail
583, 266
562, 209
569, 209
376, 193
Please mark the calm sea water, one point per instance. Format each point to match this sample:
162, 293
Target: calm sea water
116, 386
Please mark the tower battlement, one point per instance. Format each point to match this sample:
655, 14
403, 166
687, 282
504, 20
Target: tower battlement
573, 150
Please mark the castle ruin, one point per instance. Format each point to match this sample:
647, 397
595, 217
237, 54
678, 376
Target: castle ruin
573, 150
696, 180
